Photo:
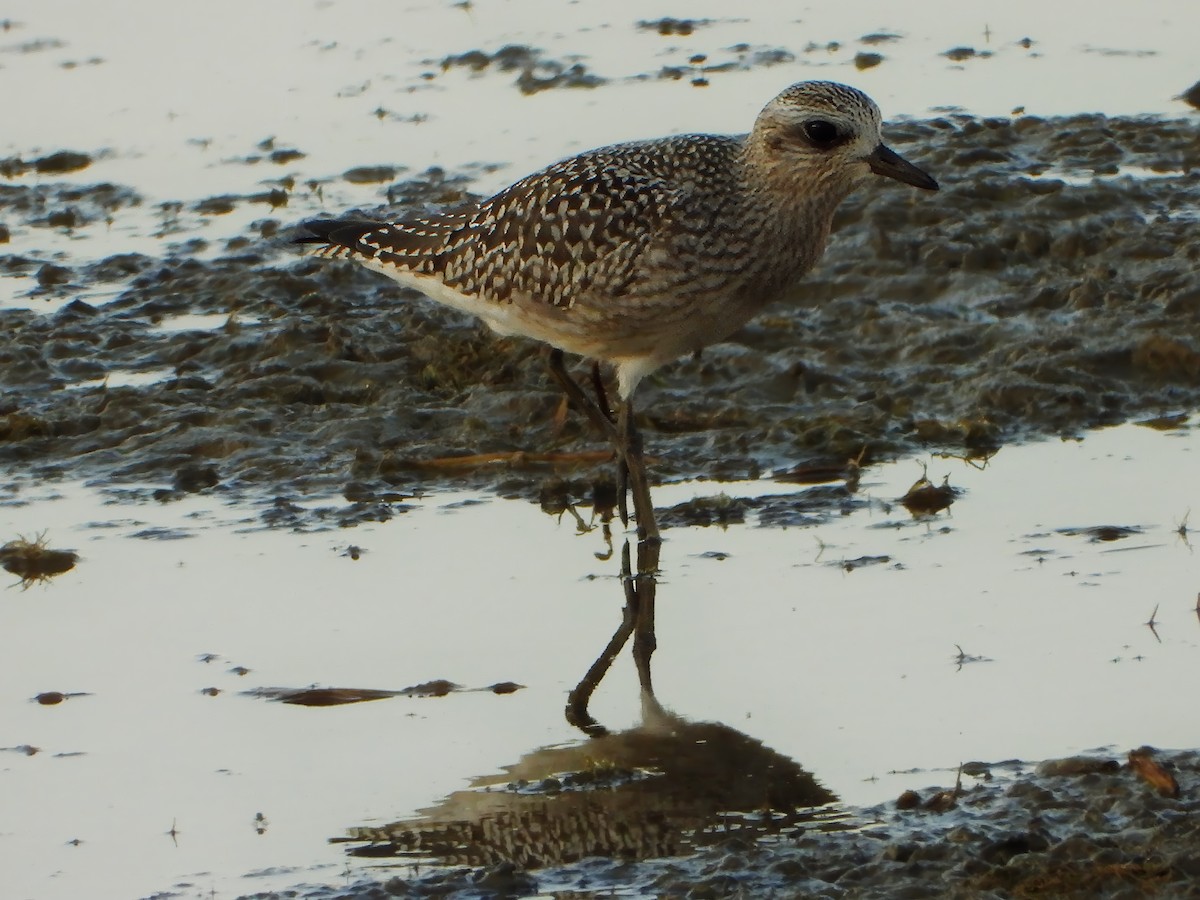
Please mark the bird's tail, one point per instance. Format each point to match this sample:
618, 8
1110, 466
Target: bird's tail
333, 233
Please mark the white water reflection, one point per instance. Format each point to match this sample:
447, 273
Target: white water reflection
201, 322
1082, 178
850, 673
115, 378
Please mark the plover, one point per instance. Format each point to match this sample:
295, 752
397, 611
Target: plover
639, 253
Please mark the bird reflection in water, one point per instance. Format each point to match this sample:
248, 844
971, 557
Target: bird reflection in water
663, 788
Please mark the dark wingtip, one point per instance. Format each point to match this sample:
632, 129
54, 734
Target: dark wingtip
314, 231
346, 232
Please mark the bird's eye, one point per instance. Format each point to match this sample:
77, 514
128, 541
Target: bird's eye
820, 133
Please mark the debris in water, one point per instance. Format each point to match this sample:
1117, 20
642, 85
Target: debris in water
960, 54
908, 800
962, 657
505, 687
925, 498
321, 696
33, 560
439, 687
317, 696
1142, 762
943, 801
1192, 95
1097, 533
668, 26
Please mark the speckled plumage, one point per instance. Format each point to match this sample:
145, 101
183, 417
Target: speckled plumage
642, 252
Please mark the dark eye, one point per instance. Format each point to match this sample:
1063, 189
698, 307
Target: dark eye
820, 133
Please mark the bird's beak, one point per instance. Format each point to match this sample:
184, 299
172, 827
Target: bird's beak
889, 163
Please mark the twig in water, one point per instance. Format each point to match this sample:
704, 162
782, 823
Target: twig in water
1151, 622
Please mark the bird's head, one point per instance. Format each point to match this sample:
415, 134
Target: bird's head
829, 134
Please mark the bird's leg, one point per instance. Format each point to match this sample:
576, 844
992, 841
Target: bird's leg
622, 463
645, 586
580, 399
637, 619
600, 416
634, 465
580, 697
631, 467
601, 393
623, 488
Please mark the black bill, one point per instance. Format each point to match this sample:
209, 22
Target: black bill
890, 164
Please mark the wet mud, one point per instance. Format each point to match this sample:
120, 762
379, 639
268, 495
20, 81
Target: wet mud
1074, 828
534, 70
1052, 286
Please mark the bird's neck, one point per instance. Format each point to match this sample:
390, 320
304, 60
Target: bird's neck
775, 176
795, 207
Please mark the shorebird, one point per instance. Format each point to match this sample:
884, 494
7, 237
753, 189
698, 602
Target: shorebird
639, 253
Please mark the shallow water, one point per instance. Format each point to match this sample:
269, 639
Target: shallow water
853, 671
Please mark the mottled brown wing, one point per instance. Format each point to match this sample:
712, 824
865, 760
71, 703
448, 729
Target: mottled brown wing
560, 235
574, 229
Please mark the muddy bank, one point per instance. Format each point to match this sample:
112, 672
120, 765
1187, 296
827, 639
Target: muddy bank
1052, 286
1086, 827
